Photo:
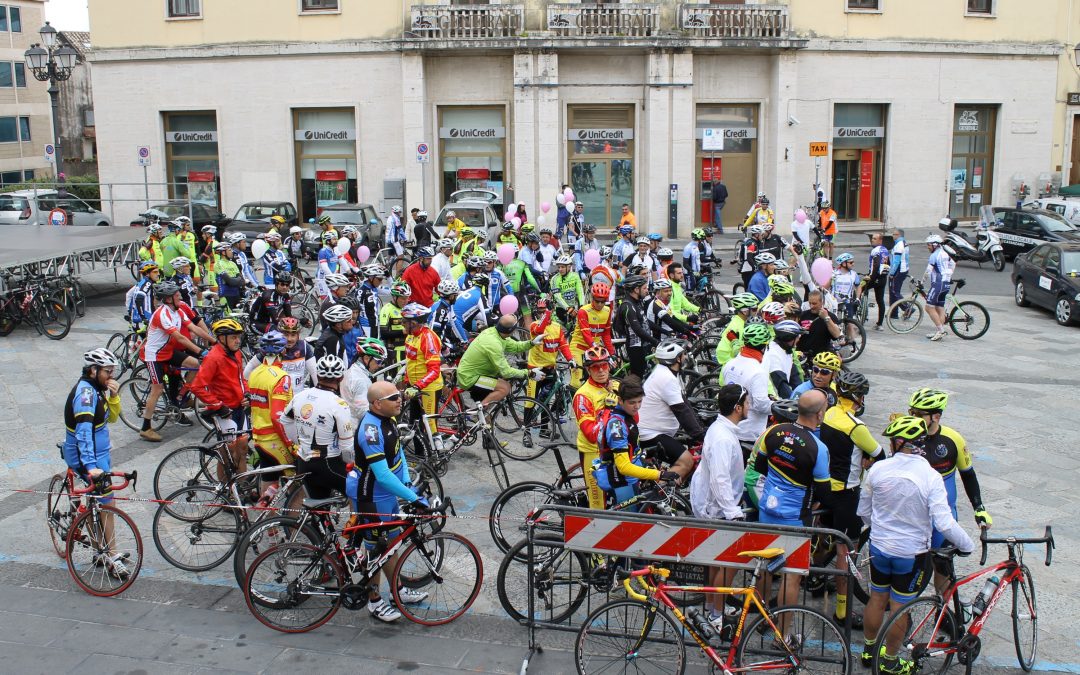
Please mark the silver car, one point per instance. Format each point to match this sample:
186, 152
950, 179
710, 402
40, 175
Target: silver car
32, 207
477, 215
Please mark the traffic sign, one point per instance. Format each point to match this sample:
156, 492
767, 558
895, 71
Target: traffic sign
712, 140
50, 152
58, 217
144, 155
423, 153
818, 149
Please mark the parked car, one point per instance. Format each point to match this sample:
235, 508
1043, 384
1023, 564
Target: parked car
1023, 229
253, 218
1049, 276
200, 214
32, 207
476, 214
1069, 209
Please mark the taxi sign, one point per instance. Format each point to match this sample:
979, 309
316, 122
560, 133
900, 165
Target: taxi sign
819, 149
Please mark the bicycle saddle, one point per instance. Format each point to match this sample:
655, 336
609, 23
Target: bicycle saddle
317, 504
765, 553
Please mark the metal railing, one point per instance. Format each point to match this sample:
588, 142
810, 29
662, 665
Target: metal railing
478, 22
614, 20
735, 21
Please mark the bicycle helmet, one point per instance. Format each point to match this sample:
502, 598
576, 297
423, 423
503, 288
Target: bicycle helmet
907, 427
764, 258
788, 330
222, 246
288, 324
148, 267
542, 303
764, 201
661, 285
282, 278
374, 270
349, 229
668, 352
780, 285
277, 220
182, 221
531, 238
330, 367
656, 236
744, 301
467, 232
589, 228
272, 342
929, 400
664, 253
771, 312
781, 265
594, 356
825, 204
337, 314
100, 357
564, 260
828, 361
600, 291
546, 230
625, 229
421, 214
414, 311
208, 229
400, 289
272, 236
474, 262
350, 302
236, 237
295, 229
174, 225
786, 410
606, 251
697, 234
424, 252
634, 281
450, 215
328, 236
844, 258
756, 229
445, 243
756, 335
396, 209
165, 290
372, 347
227, 327
527, 228
324, 219
507, 225
478, 278
491, 256
153, 228
934, 239
709, 231
850, 384
447, 288
641, 240
334, 280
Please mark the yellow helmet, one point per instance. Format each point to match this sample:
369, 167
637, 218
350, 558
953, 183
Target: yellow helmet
906, 427
827, 360
277, 220
227, 327
929, 400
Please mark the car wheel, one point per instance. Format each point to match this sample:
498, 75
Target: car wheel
1063, 311
103, 224
1020, 295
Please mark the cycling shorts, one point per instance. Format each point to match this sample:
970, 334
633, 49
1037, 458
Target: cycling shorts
827, 237
901, 578
774, 520
382, 509
273, 452
228, 425
484, 386
843, 506
663, 447
324, 476
935, 295
156, 370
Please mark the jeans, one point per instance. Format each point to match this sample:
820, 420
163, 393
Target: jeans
716, 221
896, 288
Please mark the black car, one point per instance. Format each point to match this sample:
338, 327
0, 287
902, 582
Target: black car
200, 214
1021, 230
1049, 276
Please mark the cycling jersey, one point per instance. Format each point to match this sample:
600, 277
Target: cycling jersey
241, 260
187, 288
544, 354
940, 267
395, 231
422, 280
220, 380
593, 328
87, 413
165, 322
663, 322
470, 311
370, 306
453, 227
517, 272
898, 258
650, 263
318, 421
581, 247
381, 475
849, 442
140, 305
792, 460
589, 401
354, 389
228, 277
844, 284
567, 291
691, 258
486, 357
680, 307
269, 308
497, 286
759, 215
271, 391
508, 238
393, 333
619, 452
622, 248
443, 321
731, 341
151, 252
423, 360
947, 453
759, 285
748, 370
630, 321
298, 361
274, 257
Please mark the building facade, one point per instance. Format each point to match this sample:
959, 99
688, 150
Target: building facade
76, 114
25, 114
916, 108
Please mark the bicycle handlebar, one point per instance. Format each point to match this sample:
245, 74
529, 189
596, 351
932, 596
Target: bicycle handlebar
1047, 538
105, 481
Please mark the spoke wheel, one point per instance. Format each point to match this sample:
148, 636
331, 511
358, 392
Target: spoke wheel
133, 394
523, 422
446, 568
266, 534
969, 320
60, 512
100, 566
558, 577
1025, 620
611, 640
922, 636
904, 315
194, 531
852, 340
509, 510
54, 319
186, 467
819, 647
293, 588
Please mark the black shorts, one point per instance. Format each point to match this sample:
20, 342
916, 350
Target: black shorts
843, 514
156, 369
664, 448
324, 476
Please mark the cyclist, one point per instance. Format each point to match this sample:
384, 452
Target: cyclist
665, 411
140, 299
587, 242
822, 325
747, 369
380, 478
541, 358
783, 291
238, 241
92, 404
624, 245
470, 308
531, 255
827, 223
779, 359
630, 321
643, 257
483, 370
566, 289
607, 271
589, 401
664, 255
523, 284
370, 356
592, 328
498, 284
743, 305
823, 369
507, 236
549, 248
784, 410
443, 320
370, 302
423, 231
294, 246
759, 213
390, 330
661, 319
846, 285
454, 225
464, 271
227, 274
772, 243
467, 245
746, 250
219, 384
898, 266
347, 260
878, 275
298, 358
204, 250
441, 262
272, 304
691, 257
274, 260
395, 228
904, 499
328, 263
150, 251
939, 268
339, 319
681, 308
759, 283
171, 247
423, 362
339, 288
325, 225
421, 278
277, 223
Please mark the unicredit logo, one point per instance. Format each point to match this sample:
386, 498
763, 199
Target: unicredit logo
193, 136
856, 132
472, 133
736, 133
326, 135
601, 135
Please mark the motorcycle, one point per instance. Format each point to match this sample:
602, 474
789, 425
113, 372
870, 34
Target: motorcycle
985, 248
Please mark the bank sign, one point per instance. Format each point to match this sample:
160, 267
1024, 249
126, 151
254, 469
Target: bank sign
325, 135
472, 132
858, 132
190, 136
599, 134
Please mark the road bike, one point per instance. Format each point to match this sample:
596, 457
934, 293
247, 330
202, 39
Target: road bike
136, 389
932, 630
967, 319
645, 632
516, 503
33, 303
125, 346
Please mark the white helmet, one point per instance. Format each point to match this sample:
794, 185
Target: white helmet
664, 252
100, 357
661, 285
330, 367
237, 237
781, 265
179, 261
153, 228
183, 220
491, 256
337, 314
756, 229
422, 214
396, 209
667, 352
765, 258
295, 229
450, 215
374, 270
447, 287
934, 239
564, 260
336, 280
445, 243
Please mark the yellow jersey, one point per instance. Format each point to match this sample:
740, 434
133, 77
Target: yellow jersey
270, 387
423, 360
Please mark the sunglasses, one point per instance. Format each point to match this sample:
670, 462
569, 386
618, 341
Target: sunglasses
820, 371
392, 397
743, 395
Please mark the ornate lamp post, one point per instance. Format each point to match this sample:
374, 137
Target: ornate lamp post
52, 64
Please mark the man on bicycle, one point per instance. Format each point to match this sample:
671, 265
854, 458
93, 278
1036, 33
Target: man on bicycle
298, 359
681, 307
541, 358
423, 362
441, 262
219, 384
443, 319
904, 500
743, 305
422, 278
483, 370
390, 329
274, 260
328, 263
331, 341
140, 299
630, 322
759, 213
665, 412
939, 267
589, 401
566, 289
660, 317
272, 304
759, 283
395, 229
454, 225
846, 287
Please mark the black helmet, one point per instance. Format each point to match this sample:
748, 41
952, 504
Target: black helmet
850, 384
283, 278
786, 410
589, 228
634, 281
532, 238
165, 289
349, 301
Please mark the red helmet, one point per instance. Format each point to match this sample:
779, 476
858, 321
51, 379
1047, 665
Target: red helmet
600, 291
596, 355
542, 304
772, 312
288, 324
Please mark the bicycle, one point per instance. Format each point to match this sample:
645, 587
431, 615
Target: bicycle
647, 628
296, 587
137, 387
102, 566
46, 311
968, 319
126, 346
932, 632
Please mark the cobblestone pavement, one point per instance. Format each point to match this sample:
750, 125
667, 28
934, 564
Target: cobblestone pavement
1013, 398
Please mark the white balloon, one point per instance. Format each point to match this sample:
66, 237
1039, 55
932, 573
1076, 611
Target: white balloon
561, 199
569, 207
540, 220
259, 248
343, 246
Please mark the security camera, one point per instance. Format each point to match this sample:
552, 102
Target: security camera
792, 120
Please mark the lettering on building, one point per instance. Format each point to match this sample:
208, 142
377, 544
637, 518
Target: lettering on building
858, 132
599, 134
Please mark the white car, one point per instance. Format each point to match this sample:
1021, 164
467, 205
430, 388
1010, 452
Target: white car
32, 207
1069, 209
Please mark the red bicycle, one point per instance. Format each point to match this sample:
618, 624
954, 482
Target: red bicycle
931, 630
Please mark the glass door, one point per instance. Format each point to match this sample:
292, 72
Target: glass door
590, 184
845, 192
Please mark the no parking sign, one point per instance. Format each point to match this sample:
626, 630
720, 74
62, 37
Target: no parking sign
58, 217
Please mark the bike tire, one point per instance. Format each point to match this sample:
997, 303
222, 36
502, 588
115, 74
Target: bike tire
60, 512
188, 466
452, 581
509, 417
862, 564
84, 544
79, 297
558, 580
821, 643
738, 287
999, 261
194, 531
307, 315
965, 318
266, 534
909, 314
510, 509
8, 321
133, 393
53, 318
851, 348
621, 627
117, 344
422, 473
272, 588
921, 615
1025, 620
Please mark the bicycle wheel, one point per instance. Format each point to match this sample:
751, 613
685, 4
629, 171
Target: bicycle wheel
53, 317
266, 534
198, 411
511, 507
60, 512
628, 636
452, 581
927, 642
306, 315
558, 577
100, 566
527, 422
194, 531
78, 297
188, 466
904, 315
819, 646
421, 474
1025, 620
294, 588
852, 340
133, 394
969, 320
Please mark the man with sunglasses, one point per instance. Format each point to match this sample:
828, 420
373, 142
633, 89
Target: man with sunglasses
483, 370
423, 362
590, 400
823, 370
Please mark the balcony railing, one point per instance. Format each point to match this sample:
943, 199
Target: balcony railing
735, 21
480, 21
616, 20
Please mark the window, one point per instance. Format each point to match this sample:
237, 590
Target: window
983, 7
182, 9
16, 19
88, 117
5, 75
874, 5
1053, 258
1038, 257
28, 174
24, 128
318, 5
20, 75
9, 130
11, 178
3, 18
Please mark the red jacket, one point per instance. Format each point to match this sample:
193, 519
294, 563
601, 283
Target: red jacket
220, 380
422, 282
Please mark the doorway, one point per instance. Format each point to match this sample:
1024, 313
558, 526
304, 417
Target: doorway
1074, 169
602, 187
856, 184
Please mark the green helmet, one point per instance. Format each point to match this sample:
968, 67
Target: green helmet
400, 289
780, 285
697, 234
757, 335
906, 427
929, 400
373, 347
744, 301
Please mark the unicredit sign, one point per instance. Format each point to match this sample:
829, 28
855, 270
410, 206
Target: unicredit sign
472, 132
599, 134
858, 132
190, 136
325, 135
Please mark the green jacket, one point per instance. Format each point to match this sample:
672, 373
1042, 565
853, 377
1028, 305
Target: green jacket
222, 265
729, 345
568, 291
486, 357
680, 307
515, 270
171, 247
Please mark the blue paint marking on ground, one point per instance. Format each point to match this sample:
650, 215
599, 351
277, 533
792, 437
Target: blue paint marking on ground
1040, 665
36, 457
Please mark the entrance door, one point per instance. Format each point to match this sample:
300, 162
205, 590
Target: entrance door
1074, 170
845, 192
589, 180
711, 169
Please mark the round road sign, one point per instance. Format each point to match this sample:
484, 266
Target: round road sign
58, 217
421, 148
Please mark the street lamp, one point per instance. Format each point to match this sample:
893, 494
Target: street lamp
52, 64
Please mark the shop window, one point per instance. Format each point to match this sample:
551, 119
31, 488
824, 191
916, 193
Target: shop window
472, 150
184, 9
191, 156
319, 5
980, 7
326, 158
9, 130
864, 5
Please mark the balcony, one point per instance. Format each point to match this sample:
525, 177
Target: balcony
738, 22
614, 20
440, 22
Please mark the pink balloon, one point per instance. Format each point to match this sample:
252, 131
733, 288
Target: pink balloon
570, 196
516, 221
821, 271
545, 207
507, 253
800, 216
363, 253
509, 215
508, 304
592, 258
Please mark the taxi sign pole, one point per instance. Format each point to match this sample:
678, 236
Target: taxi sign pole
817, 151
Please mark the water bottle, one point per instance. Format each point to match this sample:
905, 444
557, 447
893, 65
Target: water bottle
983, 599
437, 441
701, 623
269, 495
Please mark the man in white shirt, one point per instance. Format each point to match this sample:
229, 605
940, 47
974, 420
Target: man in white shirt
441, 262
664, 411
548, 248
904, 499
748, 370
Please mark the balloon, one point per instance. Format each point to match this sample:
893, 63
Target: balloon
362, 254
258, 248
343, 246
545, 207
509, 215
515, 221
821, 271
800, 216
508, 304
507, 253
570, 195
592, 258
569, 207
561, 199
540, 220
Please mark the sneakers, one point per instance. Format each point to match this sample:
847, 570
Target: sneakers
410, 596
526, 439
856, 620
936, 336
896, 666
183, 420
866, 659
877, 326
150, 435
794, 643
383, 610
114, 565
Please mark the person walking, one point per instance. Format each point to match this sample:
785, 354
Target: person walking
878, 277
719, 198
898, 267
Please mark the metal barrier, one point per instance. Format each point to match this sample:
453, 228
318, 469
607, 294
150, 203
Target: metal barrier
688, 546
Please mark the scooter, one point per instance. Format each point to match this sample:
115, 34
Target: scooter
985, 248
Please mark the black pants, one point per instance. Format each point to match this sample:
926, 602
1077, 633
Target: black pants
896, 288
879, 286
746, 277
325, 475
637, 359
664, 448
